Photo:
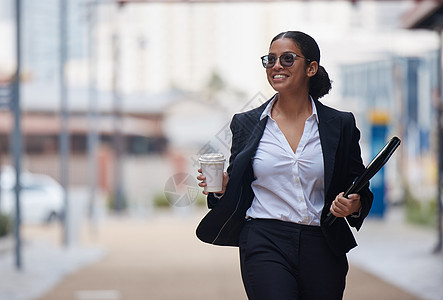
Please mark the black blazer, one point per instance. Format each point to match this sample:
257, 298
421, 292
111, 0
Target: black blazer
339, 138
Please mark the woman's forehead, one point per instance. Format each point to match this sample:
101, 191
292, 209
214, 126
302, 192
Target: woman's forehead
284, 45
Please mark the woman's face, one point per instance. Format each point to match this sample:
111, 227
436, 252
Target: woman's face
293, 78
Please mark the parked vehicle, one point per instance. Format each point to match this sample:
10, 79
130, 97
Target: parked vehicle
41, 198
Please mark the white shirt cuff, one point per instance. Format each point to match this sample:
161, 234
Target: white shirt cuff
356, 214
218, 196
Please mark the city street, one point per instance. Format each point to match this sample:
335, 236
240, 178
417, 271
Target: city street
106, 107
160, 258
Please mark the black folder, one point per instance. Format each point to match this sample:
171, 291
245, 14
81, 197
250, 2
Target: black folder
374, 166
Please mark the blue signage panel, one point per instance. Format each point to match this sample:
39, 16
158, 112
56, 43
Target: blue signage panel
5, 96
377, 183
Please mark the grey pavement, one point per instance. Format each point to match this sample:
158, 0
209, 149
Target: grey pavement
45, 261
398, 253
401, 253
43, 266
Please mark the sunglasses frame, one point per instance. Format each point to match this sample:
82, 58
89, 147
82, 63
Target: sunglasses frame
294, 55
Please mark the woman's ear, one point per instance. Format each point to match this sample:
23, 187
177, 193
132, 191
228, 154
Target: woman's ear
312, 69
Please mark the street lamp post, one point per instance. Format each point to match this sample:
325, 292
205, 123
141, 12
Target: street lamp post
17, 138
438, 247
93, 138
118, 137
64, 126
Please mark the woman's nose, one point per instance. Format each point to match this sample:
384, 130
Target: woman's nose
277, 64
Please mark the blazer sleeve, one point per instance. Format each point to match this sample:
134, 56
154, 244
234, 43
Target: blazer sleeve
236, 146
357, 168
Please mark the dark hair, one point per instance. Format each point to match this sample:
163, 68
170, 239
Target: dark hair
319, 84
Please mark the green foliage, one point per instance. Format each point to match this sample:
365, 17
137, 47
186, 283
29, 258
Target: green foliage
421, 212
5, 225
112, 203
201, 200
161, 201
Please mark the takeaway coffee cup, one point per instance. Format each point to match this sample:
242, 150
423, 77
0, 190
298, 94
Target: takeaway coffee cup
213, 165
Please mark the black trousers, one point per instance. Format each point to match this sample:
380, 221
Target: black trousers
287, 261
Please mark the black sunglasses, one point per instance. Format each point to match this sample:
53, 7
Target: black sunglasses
286, 60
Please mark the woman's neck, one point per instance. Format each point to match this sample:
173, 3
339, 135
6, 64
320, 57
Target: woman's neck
290, 106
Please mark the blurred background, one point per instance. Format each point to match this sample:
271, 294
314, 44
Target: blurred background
104, 103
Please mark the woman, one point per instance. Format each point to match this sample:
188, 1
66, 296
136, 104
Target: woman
291, 159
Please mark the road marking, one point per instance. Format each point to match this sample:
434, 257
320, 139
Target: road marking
98, 295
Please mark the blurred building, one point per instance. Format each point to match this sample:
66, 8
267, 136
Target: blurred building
405, 89
142, 134
428, 15
159, 60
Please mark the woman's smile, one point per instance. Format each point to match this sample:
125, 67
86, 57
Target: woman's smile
279, 76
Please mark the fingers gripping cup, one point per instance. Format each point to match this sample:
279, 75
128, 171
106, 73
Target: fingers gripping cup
213, 165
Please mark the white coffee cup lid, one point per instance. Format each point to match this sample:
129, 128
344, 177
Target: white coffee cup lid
212, 157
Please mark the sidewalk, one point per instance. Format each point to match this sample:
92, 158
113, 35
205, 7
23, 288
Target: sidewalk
401, 254
43, 266
160, 258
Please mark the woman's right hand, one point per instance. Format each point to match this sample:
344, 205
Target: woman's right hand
202, 183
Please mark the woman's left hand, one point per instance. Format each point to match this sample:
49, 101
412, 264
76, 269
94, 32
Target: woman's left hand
343, 207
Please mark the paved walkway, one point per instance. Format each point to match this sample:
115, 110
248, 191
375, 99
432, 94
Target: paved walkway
160, 258
43, 266
401, 254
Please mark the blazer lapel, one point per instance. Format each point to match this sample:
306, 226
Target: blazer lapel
256, 135
256, 131
329, 132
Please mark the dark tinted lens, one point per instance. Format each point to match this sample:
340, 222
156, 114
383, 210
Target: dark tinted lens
268, 61
287, 60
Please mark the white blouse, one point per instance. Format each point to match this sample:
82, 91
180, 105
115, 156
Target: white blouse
288, 186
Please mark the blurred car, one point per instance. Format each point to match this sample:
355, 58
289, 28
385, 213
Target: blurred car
41, 196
